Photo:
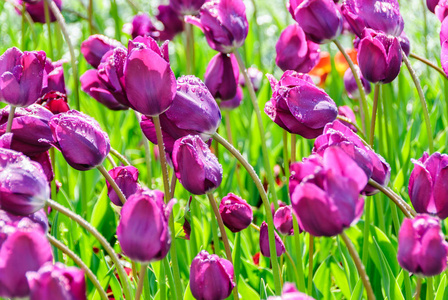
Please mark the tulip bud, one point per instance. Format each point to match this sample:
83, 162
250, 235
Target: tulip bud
127, 180
55, 102
264, 242
235, 102
172, 21
57, 282
379, 56
283, 220
36, 10
224, 24
291, 293
141, 26
255, 76
211, 277
298, 106
196, 167
143, 230
23, 184
235, 212
187, 7
80, 139
221, 76
96, 46
347, 112
295, 52
350, 84
422, 248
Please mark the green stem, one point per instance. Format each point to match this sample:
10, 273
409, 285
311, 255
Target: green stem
422, 102
293, 147
53, 182
120, 157
429, 63
285, 153
376, 93
111, 160
12, 111
112, 183
267, 207
228, 127
141, 280
162, 280
77, 260
418, 289
365, 247
310, 265
190, 47
298, 242
23, 26
429, 288
104, 243
215, 236
168, 272
48, 22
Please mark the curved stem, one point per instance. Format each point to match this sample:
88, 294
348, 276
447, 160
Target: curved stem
111, 160
347, 120
362, 93
376, 93
141, 280
224, 237
310, 265
255, 227
112, 183
429, 63
189, 47
361, 270
267, 207
55, 10
12, 111
77, 260
264, 150
104, 243
418, 289
422, 102
120, 157
298, 242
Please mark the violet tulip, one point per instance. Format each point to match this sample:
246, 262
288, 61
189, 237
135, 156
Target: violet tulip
36, 10
235, 212
329, 186
234, 102
298, 106
295, 52
347, 112
143, 230
431, 4
441, 10
290, 292
187, 7
55, 102
222, 76
255, 76
350, 84
405, 43
211, 277
422, 248
149, 80
23, 185
283, 220
172, 21
127, 180
224, 24
22, 75
142, 25
379, 56
12, 222
96, 46
54, 77
264, 242
196, 167
43, 159
81, 140
427, 184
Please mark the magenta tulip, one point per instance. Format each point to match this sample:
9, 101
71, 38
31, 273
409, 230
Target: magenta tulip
222, 76
233, 103
264, 242
53, 77
235, 212
283, 220
187, 7
172, 21
346, 112
350, 84
127, 180
290, 292
431, 4
36, 10
96, 46
141, 26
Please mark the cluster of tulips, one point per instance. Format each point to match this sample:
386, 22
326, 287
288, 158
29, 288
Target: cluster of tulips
181, 116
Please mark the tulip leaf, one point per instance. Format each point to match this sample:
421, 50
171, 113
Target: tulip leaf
236, 255
357, 291
245, 291
322, 278
340, 278
442, 291
263, 292
188, 295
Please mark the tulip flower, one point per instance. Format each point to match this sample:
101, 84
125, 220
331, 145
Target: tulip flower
149, 80
143, 230
222, 76
196, 167
350, 84
298, 106
211, 277
80, 139
127, 180
234, 102
264, 242
347, 112
22, 75
235, 212
36, 10
320, 19
187, 7
23, 184
11, 222
53, 77
55, 102
290, 292
431, 4
57, 282
379, 56
441, 10
43, 159
330, 189
422, 248
172, 21
283, 220
224, 24
380, 15
255, 76
96, 46
405, 43
295, 52
31, 132
141, 26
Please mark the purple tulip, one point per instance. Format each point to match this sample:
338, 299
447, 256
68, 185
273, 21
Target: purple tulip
194, 111
441, 10
320, 19
11, 222
211, 277
381, 15
298, 106
283, 220
350, 84
405, 43
331, 189
96, 46
54, 77
150, 82
295, 52
187, 7
374, 166
234, 102
80, 139
422, 248
235, 212
291, 293
224, 24
347, 112
23, 184
222, 76
143, 230
379, 56
141, 26
196, 167
173, 23
22, 75
127, 180
43, 159
55, 102
36, 9
24, 250
431, 4
255, 76
31, 132
264, 242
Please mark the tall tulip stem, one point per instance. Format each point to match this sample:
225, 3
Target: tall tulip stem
376, 94
310, 265
298, 242
224, 237
418, 288
293, 147
112, 183
422, 102
100, 238
361, 269
189, 47
12, 111
267, 207
365, 247
141, 280
429, 63
23, 42
80, 263
120, 157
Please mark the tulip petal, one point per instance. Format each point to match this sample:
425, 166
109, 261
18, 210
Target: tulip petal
433, 252
420, 188
408, 247
372, 59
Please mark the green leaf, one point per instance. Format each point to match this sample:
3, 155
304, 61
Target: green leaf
442, 290
245, 291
